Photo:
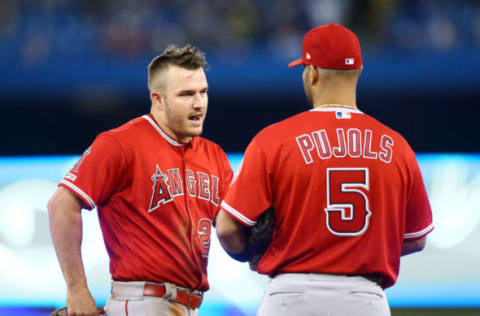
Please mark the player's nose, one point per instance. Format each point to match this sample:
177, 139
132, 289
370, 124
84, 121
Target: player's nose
200, 101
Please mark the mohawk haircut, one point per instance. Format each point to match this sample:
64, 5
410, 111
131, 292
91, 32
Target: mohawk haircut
188, 57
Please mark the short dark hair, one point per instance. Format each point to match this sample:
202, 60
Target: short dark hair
188, 57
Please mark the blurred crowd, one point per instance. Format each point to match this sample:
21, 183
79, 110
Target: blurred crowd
37, 32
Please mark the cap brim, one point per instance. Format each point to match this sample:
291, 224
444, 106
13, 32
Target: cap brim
295, 63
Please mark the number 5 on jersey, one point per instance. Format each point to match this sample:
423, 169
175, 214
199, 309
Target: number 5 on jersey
347, 211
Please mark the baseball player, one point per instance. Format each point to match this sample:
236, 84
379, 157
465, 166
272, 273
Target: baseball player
347, 191
157, 187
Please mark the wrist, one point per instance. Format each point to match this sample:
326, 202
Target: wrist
77, 287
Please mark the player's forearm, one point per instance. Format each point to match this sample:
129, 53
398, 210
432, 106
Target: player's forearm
232, 243
66, 231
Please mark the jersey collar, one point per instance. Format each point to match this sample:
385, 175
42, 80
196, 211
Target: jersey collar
150, 119
336, 109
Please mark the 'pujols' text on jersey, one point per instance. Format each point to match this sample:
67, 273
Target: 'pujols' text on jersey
352, 142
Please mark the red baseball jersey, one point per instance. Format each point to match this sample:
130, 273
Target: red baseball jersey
156, 201
346, 189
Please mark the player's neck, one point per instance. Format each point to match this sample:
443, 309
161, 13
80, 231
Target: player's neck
336, 105
334, 96
171, 133
349, 103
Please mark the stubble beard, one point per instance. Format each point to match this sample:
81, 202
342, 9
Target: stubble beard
179, 124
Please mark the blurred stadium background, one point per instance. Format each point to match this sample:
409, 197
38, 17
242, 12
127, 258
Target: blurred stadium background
71, 69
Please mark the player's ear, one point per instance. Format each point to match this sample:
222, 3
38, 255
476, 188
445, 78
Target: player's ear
360, 71
157, 100
313, 75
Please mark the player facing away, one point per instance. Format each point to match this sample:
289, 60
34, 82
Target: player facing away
157, 187
347, 191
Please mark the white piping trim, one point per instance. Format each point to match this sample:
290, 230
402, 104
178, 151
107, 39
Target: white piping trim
424, 231
159, 130
83, 194
336, 109
237, 214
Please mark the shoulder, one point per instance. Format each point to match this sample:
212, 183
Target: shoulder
124, 136
400, 145
129, 127
397, 136
130, 132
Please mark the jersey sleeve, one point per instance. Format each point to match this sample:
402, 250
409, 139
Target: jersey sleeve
250, 192
227, 176
225, 180
94, 177
419, 221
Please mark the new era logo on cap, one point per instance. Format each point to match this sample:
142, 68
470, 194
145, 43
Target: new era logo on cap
330, 46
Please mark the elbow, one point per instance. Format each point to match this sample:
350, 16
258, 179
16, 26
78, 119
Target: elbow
228, 241
412, 246
419, 244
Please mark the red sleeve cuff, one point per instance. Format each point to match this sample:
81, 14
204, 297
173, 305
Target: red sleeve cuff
87, 201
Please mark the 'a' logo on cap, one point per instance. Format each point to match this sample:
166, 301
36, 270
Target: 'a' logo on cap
349, 61
308, 56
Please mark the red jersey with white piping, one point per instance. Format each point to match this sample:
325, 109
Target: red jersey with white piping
346, 189
156, 201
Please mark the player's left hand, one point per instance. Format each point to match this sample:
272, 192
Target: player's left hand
80, 302
63, 312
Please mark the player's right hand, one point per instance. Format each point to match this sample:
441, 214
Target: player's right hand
81, 303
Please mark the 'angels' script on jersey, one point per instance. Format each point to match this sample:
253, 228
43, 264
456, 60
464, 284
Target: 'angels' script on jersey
169, 185
353, 143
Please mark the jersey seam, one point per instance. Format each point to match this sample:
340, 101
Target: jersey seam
227, 208
415, 175
84, 195
420, 233
336, 109
124, 158
161, 132
267, 167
